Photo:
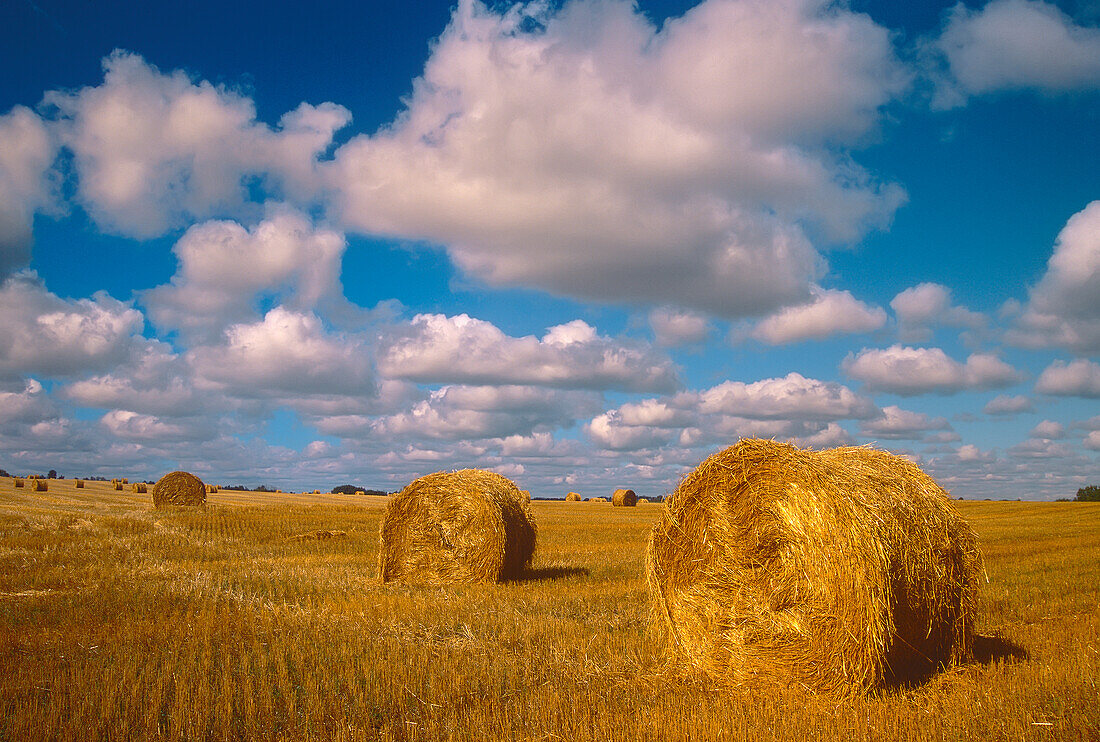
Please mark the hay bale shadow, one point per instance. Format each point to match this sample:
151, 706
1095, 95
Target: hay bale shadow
985, 650
549, 573
990, 649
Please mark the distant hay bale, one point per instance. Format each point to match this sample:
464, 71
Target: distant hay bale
836, 570
18, 482
139, 487
316, 492
360, 492
117, 484
624, 499
179, 488
125, 480
643, 500
79, 484
573, 497
456, 527
40, 485
596, 499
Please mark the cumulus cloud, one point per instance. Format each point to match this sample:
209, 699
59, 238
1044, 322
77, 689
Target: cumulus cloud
909, 371
1013, 45
1079, 378
1092, 441
150, 429
830, 313
921, 308
24, 402
899, 424
583, 151
26, 152
1049, 429
224, 268
438, 348
45, 334
792, 396
1064, 307
673, 327
154, 150
1004, 404
156, 382
285, 355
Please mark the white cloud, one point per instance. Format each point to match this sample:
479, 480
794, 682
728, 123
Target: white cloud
1041, 448
156, 382
970, 453
908, 371
224, 267
437, 348
1049, 429
154, 150
133, 426
1079, 378
1092, 441
1004, 404
673, 327
26, 405
26, 152
793, 396
44, 334
830, 313
1012, 45
599, 157
287, 354
926, 305
896, 423
1064, 307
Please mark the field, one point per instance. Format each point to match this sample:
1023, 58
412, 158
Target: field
121, 622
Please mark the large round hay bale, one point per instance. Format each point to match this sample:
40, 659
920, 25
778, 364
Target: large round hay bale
834, 570
573, 497
463, 526
624, 499
17, 482
179, 488
40, 485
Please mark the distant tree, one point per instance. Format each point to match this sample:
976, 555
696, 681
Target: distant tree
1088, 494
52, 474
4, 473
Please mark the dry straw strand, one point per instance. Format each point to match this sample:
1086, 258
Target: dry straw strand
624, 499
836, 570
179, 488
456, 527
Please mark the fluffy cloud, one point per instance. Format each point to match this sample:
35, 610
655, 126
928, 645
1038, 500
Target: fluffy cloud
437, 348
793, 396
830, 313
1049, 429
44, 334
908, 371
1080, 378
922, 307
672, 327
224, 267
153, 150
24, 402
26, 153
133, 426
599, 157
899, 424
1064, 307
156, 382
287, 354
1004, 404
1092, 441
1013, 44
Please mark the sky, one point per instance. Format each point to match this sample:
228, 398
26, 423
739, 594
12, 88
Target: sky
583, 244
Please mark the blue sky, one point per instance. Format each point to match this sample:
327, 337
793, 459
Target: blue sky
583, 244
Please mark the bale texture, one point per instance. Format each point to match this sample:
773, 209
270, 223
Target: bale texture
573, 497
624, 499
456, 527
835, 570
179, 488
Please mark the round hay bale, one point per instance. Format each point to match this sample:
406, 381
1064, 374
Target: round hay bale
624, 499
836, 570
179, 488
316, 492
125, 480
360, 492
596, 499
40, 485
573, 497
18, 482
80, 484
117, 483
456, 527
642, 500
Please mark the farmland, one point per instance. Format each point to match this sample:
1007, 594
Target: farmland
118, 621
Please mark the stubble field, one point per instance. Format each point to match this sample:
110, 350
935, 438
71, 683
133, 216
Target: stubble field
118, 621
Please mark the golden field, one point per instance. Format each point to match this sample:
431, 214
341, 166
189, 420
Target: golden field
118, 621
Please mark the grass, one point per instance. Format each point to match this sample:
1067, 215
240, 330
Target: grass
118, 621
